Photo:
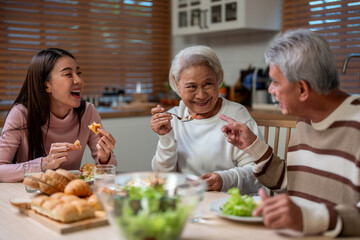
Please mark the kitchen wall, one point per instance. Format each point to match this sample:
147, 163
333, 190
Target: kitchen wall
135, 143
236, 49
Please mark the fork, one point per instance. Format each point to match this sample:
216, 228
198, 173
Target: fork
185, 119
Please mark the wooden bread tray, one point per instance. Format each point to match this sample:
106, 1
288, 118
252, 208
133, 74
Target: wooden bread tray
99, 220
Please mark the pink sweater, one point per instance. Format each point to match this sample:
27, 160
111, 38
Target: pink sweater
61, 130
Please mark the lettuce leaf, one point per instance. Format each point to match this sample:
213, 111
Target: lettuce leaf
238, 205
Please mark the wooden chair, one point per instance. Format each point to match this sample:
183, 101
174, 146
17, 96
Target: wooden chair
277, 124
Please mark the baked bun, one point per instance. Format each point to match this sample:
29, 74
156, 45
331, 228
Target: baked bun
69, 175
51, 181
55, 179
63, 208
78, 187
94, 202
43, 185
31, 182
94, 127
21, 202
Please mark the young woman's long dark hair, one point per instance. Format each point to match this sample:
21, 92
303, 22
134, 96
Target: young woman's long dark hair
37, 101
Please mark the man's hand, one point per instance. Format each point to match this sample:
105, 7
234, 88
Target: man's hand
279, 212
237, 133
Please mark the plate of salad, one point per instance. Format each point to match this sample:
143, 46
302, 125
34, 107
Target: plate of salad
236, 207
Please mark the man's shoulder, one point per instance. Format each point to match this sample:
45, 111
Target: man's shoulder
350, 110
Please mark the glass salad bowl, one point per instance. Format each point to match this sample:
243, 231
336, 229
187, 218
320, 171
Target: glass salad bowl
150, 205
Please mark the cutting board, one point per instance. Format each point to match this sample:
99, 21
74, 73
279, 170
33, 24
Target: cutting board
99, 220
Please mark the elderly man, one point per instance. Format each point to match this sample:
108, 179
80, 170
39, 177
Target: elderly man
322, 173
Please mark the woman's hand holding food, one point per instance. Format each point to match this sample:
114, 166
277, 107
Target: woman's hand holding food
160, 121
105, 145
237, 133
213, 180
58, 153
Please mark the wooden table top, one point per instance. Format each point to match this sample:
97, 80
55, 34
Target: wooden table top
14, 225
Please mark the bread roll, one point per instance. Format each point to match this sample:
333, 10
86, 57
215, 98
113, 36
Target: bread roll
31, 182
69, 175
63, 208
55, 179
94, 202
78, 187
44, 187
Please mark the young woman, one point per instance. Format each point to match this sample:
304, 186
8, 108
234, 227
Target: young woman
198, 147
48, 116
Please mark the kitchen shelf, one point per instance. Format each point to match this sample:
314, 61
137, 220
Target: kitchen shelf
206, 16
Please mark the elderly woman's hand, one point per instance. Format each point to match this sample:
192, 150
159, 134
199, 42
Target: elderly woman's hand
160, 121
213, 180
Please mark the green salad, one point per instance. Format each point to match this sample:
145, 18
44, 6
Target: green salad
147, 213
87, 178
238, 205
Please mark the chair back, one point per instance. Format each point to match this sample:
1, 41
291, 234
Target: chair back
277, 124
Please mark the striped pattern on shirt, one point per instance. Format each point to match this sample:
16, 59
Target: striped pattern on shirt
323, 164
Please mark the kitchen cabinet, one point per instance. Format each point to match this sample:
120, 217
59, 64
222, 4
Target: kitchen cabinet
204, 16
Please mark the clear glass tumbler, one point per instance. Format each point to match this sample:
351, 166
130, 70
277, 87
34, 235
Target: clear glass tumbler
30, 168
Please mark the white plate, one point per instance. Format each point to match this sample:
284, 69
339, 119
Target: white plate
79, 173
216, 206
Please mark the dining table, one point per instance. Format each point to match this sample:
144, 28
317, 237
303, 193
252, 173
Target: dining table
15, 225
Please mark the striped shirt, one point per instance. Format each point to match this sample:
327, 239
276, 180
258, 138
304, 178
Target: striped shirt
322, 173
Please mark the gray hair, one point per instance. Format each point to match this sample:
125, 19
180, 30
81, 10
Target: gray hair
193, 56
305, 55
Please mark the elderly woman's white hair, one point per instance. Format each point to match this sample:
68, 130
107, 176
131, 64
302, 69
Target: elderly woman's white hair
194, 56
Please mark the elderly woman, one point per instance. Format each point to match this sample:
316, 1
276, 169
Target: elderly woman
198, 147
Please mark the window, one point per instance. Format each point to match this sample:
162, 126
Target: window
339, 22
117, 43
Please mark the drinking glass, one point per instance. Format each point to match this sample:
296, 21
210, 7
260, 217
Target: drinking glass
105, 174
30, 168
197, 213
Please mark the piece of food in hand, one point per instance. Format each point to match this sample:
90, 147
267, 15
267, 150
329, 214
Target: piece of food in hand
239, 205
94, 127
77, 143
78, 187
87, 171
75, 146
189, 117
63, 208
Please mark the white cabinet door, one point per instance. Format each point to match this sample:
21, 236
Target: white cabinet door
202, 16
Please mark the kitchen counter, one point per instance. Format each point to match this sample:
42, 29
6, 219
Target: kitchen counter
107, 112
